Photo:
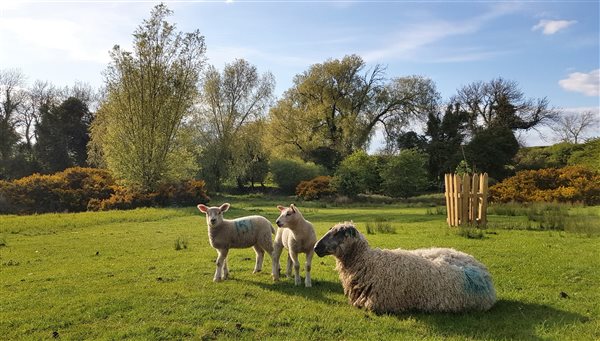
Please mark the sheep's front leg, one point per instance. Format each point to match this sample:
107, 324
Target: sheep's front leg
309, 256
288, 269
296, 262
260, 255
276, 268
221, 259
225, 269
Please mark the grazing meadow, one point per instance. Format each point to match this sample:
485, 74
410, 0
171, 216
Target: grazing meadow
147, 274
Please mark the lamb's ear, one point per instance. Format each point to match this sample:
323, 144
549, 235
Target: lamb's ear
280, 208
224, 207
293, 208
202, 208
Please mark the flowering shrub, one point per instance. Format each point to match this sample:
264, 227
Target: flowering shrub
317, 188
568, 184
78, 189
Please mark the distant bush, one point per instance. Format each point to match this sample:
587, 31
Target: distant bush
79, 189
287, 174
317, 188
405, 175
568, 184
559, 155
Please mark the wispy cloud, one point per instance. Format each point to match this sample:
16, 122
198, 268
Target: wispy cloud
586, 83
550, 27
409, 41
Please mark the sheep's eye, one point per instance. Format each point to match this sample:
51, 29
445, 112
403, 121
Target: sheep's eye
289, 213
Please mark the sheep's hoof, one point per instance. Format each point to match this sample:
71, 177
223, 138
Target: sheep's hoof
256, 271
308, 285
216, 279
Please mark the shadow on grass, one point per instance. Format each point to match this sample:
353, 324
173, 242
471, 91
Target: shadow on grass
508, 319
318, 292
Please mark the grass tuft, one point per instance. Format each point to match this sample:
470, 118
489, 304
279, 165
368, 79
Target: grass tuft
380, 225
181, 243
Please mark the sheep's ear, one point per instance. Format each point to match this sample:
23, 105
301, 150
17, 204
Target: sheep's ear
350, 232
202, 208
280, 208
224, 207
293, 208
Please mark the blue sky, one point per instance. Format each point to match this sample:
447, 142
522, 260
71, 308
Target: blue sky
551, 48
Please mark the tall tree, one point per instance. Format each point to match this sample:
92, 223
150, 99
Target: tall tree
150, 93
63, 135
446, 134
500, 102
230, 101
335, 106
573, 126
12, 98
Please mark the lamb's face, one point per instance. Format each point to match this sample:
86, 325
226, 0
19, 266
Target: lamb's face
336, 240
214, 215
287, 215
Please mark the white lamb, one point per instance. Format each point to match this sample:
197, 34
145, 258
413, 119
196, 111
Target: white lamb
431, 280
297, 235
243, 232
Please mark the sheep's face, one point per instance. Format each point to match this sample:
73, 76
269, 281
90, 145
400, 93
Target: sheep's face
214, 215
288, 215
338, 239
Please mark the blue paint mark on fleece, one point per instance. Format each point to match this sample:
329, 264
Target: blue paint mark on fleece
475, 281
243, 226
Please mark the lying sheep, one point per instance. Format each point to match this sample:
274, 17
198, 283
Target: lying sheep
297, 235
431, 280
243, 232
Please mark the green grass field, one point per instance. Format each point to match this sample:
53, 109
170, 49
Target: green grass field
115, 275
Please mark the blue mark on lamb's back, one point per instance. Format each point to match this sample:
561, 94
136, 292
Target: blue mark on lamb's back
243, 225
475, 281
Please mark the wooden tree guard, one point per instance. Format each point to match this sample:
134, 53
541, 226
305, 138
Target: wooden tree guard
466, 199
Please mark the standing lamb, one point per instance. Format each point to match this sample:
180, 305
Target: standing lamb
243, 232
297, 235
431, 280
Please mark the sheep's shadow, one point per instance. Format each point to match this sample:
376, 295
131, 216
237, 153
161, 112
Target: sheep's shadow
508, 319
318, 292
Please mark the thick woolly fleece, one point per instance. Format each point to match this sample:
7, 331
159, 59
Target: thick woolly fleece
431, 280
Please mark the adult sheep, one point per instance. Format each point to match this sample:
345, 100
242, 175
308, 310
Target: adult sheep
243, 232
430, 280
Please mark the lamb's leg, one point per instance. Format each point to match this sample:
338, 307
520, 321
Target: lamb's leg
309, 256
296, 262
220, 262
276, 268
225, 270
260, 255
288, 270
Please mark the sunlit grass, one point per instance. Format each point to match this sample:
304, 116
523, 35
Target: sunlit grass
113, 275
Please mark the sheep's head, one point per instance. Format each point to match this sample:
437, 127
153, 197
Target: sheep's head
337, 240
288, 215
214, 215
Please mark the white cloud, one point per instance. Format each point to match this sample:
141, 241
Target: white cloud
586, 83
549, 27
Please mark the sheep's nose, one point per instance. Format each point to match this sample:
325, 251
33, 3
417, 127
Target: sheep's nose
278, 223
213, 220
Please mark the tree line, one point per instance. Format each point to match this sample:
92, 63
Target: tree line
164, 114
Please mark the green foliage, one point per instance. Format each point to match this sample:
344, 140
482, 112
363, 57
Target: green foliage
463, 168
358, 173
491, 151
287, 174
588, 156
560, 155
405, 175
231, 125
568, 184
317, 188
150, 93
62, 135
337, 105
125, 281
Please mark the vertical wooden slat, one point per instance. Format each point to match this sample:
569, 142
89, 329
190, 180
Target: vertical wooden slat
466, 196
475, 196
457, 207
483, 202
448, 204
